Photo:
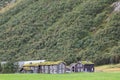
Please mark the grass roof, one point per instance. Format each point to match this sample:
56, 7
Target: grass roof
27, 68
43, 63
30, 64
87, 62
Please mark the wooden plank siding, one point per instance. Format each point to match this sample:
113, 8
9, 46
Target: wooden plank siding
76, 67
48, 68
82, 67
89, 67
52, 69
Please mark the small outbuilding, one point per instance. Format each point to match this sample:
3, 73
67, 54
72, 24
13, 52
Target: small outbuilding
76, 67
88, 66
82, 66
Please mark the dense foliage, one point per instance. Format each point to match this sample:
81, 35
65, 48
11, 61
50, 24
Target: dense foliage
69, 30
4, 3
9, 67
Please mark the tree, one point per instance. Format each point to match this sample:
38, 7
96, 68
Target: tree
9, 67
0, 67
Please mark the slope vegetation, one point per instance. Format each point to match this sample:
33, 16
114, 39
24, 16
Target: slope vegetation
69, 30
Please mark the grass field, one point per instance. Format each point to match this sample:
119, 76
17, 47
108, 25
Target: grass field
73, 76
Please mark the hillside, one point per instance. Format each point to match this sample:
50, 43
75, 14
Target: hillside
108, 68
69, 30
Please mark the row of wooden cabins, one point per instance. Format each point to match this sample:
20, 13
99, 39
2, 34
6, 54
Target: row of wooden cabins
57, 67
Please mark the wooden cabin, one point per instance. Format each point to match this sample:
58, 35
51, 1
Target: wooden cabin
52, 67
76, 67
47, 67
88, 66
82, 66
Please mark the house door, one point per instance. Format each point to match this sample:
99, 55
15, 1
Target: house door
40, 69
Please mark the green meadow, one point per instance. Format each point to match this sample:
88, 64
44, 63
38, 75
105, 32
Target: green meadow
73, 76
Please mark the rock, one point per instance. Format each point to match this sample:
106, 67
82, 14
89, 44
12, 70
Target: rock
116, 6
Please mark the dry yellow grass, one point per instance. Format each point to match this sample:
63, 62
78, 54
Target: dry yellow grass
112, 70
9, 6
108, 68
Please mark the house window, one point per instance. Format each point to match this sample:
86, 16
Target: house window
79, 65
73, 69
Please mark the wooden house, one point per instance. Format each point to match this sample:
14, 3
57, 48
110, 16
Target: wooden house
88, 66
76, 67
52, 67
47, 67
82, 66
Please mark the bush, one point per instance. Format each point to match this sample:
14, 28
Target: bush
9, 67
0, 67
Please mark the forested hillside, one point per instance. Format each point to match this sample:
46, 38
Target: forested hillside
69, 30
